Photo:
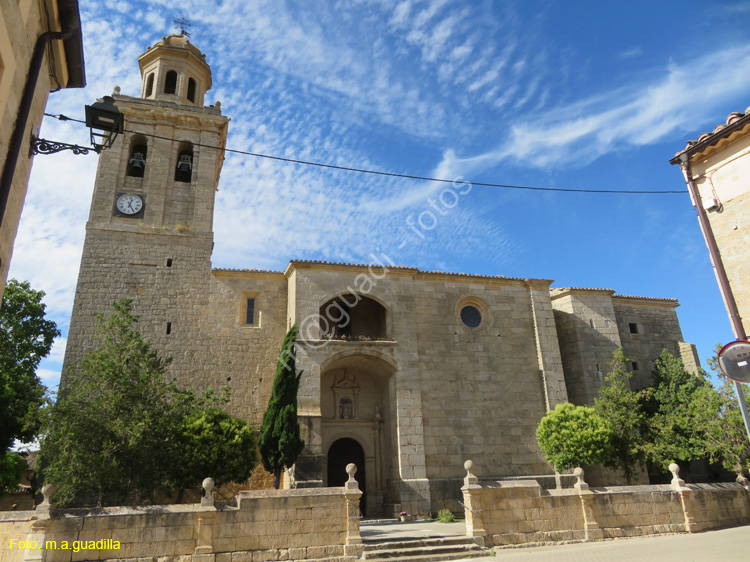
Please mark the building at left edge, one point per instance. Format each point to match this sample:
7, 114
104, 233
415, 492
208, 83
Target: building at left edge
43, 34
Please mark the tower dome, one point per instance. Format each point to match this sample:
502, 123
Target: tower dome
175, 70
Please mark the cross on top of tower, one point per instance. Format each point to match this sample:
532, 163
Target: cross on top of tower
182, 24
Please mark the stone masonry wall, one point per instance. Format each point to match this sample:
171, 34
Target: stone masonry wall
243, 356
300, 525
588, 335
23, 23
486, 377
165, 273
658, 329
501, 513
722, 176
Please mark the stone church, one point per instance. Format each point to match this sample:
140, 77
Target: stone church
407, 373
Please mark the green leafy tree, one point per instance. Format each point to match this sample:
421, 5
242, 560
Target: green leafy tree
216, 444
673, 431
573, 435
280, 443
717, 412
26, 338
110, 437
618, 404
12, 466
120, 432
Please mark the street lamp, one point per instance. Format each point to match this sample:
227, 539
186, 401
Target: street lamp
104, 121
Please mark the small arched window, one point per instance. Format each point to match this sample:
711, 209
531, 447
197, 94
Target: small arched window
170, 82
191, 90
137, 160
184, 169
150, 85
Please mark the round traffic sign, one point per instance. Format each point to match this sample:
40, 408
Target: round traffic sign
734, 361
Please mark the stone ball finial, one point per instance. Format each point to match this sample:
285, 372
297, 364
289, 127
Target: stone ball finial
208, 497
44, 509
351, 470
117, 90
470, 479
677, 482
351, 485
47, 491
580, 483
217, 104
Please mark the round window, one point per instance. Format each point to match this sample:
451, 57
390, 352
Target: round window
471, 316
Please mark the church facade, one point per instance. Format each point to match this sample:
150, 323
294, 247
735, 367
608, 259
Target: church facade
407, 373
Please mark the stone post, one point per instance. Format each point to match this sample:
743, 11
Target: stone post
206, 517
352, 493
590, 524
472, 506
678, 485
745, 483
40, 522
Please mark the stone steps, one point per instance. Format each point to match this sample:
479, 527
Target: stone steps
422, 550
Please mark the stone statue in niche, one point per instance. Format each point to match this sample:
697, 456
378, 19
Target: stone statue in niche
346, 410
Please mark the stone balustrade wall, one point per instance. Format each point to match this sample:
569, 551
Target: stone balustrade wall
515, 512
307, 524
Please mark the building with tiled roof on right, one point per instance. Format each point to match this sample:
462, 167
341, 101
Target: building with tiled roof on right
717, 164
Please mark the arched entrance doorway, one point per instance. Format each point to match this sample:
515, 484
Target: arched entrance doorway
340, 454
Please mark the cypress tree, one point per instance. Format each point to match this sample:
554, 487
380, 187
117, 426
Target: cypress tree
280, 443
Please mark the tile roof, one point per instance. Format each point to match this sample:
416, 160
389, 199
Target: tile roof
643, 298
735, 121
406, 268
245, 270
558, 290
364, 265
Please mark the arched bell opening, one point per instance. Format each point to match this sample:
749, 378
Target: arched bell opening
191, 90
184, 167
170, 82
149, 91
137, 158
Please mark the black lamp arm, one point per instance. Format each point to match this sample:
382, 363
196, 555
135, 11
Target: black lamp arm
44, 146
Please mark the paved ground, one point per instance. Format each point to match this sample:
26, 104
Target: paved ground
727, 545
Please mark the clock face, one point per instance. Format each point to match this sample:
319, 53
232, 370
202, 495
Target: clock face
129, 204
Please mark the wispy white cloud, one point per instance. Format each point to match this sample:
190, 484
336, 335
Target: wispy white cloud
633, 52
685, 97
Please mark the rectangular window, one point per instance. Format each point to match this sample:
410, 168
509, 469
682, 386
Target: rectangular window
634, 365
633, 328
250, 312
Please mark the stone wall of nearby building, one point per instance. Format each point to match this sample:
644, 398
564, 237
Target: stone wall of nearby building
721, 173
22, 22
320, 524
517, 512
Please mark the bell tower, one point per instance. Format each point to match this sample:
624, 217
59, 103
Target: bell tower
150, 231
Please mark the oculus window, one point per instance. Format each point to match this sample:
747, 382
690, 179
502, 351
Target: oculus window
471, 316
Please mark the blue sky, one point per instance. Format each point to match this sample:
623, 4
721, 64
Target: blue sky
576, 94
